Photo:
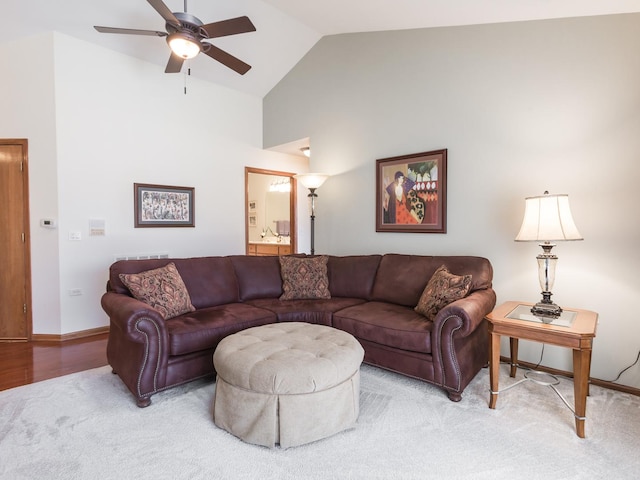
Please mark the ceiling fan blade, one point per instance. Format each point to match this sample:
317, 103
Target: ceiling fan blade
130, 31
175, 64
163, 10
225, 58
232, 26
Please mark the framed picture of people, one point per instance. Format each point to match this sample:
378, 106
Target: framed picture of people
163, 206
411, 193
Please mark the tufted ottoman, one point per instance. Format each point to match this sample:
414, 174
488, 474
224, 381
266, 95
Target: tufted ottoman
287, 383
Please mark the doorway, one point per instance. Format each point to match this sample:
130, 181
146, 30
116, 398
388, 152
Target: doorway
270, 212
15, 274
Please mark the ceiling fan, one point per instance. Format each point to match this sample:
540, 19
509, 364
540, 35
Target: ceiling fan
186, 34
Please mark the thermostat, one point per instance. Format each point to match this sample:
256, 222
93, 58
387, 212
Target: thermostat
48, 223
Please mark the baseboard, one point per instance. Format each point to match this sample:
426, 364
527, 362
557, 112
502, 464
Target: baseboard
563, 373
47, 337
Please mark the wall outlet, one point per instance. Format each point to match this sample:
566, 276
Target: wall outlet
73, 292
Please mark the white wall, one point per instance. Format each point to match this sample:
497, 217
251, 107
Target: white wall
522, 108
97, 122
27, 110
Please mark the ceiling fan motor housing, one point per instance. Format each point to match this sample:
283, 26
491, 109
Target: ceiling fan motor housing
189, 23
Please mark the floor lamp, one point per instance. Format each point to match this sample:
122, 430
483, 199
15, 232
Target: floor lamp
312, 181
547, 218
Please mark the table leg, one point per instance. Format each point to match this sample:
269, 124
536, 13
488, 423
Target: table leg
513, 344
581, 368
494, 368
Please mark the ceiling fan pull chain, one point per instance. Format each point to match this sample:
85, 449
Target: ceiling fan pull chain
186, 73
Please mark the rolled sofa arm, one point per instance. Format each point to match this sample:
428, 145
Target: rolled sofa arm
460, 344
138, 346
471, 310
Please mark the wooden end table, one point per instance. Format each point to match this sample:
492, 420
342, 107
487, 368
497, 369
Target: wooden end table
575, 329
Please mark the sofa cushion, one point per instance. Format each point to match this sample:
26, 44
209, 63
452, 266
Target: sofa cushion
304, 277
258, 277
442, 289
352, 276
318, 311
211, 281
203, 329
401, 278
161, 288
386, 324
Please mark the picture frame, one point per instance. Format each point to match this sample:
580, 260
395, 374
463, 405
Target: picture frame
411, 193
163, 206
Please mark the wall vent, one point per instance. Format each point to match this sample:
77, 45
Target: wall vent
140, 256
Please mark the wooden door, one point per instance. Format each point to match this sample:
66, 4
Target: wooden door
15, 276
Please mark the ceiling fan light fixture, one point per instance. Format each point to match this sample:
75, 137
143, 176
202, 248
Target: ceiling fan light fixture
185, 35
184, 45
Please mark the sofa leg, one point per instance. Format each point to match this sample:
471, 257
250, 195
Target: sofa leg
454, 396
143, 402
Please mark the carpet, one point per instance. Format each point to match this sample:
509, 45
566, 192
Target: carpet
87, 426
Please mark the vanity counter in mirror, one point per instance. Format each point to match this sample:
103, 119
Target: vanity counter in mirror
269, 247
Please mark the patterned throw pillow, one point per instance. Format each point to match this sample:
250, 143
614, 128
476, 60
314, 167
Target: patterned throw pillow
162, 288
304, 277
442, 289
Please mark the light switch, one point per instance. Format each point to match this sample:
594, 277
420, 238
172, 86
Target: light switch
75, 236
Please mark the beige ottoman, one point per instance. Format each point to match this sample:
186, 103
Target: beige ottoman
287, 383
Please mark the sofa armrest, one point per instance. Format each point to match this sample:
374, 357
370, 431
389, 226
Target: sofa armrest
470, 311
124, 312
459, 341
138, 346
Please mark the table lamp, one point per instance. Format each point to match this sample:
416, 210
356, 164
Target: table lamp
547, 218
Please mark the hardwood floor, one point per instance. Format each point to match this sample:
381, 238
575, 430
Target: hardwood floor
22, 363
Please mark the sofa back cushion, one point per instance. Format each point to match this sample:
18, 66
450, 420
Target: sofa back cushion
258, 277
210, 281
352, 276
401, 279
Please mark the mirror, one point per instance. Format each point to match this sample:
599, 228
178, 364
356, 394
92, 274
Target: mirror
270, 199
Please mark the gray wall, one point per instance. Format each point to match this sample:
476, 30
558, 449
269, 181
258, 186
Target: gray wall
522, 108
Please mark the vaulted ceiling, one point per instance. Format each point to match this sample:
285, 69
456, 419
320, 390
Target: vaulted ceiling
285, 29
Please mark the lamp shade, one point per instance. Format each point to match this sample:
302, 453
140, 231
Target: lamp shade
312, 180
183, 45
547, 218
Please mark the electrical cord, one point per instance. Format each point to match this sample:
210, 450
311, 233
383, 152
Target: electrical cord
537, 364
625, 369
539, 361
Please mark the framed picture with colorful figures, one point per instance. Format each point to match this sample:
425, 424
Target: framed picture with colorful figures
411, 193
163, 206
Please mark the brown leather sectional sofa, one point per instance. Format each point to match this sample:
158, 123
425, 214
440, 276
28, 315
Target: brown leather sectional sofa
372, 298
